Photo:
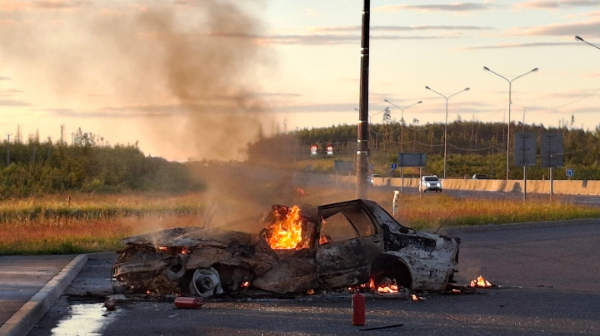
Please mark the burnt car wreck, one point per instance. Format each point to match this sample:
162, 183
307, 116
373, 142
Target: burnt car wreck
341, 245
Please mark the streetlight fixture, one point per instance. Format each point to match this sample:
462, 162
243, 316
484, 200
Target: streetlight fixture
385, 111
446, 124
402, 134
402, 118
509, 104
584, 41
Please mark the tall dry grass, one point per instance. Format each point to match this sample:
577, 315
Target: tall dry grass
109, 219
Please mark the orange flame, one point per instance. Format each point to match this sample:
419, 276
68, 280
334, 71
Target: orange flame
287, 232
389, 287
480, 282
245, 284
416, 298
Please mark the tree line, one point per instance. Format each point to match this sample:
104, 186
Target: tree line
35, 168
472, 147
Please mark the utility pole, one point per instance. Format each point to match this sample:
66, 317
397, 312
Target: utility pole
8, 149
62, 128
362, 152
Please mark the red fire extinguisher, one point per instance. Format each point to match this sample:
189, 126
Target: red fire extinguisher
358, 309
188, 302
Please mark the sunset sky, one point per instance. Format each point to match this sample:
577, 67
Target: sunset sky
197, 78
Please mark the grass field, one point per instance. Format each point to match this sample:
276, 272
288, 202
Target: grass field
91, 223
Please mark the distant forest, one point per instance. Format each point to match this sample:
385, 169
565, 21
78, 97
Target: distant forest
32, 167
89, 164
472, 147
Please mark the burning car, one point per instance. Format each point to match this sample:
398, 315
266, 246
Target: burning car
340, 245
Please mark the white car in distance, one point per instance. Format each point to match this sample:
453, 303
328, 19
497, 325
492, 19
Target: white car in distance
431, 183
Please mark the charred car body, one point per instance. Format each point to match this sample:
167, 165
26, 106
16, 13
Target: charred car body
346, 244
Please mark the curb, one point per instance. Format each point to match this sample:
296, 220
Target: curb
32, 311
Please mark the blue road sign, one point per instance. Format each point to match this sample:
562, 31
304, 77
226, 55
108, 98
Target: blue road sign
394, 166
570, 172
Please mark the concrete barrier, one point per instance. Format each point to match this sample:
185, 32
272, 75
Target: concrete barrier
563, 187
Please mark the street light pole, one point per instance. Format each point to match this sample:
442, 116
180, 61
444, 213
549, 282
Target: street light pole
509, 105
402, 118
402, 136
446, 123
584, 41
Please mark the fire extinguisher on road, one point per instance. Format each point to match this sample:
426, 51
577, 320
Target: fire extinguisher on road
358, 309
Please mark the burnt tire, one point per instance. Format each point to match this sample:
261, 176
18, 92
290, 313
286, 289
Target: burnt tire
386, 266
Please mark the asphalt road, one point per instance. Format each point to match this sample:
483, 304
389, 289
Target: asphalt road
547, 276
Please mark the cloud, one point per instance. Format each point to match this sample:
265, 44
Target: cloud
543, 4
594, 13
115, 113
19, 5
279, 95
9, 102
397, 28
220, 106
330, 35
311, 12
584, 110
589, 28
4, 78
58, 4
9, 92
519, 45
330, 39
454, 7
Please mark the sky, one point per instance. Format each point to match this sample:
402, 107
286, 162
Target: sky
200, 79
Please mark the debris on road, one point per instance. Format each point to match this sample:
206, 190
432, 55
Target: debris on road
382, 327
110, 304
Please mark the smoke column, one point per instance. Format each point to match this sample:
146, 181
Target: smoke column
182, 72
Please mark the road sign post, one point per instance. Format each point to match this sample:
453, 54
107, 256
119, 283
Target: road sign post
411, 160
551, 154
525, 145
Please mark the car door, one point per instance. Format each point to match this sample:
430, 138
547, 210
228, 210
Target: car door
349, 241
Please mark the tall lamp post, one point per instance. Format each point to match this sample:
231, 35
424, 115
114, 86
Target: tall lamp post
386, 112
509, 104
402, 135
446, 124
402, 118
584, 41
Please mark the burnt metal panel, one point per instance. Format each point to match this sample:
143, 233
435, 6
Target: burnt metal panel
347, 263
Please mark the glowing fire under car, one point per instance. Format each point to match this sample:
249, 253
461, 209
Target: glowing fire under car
341, 245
